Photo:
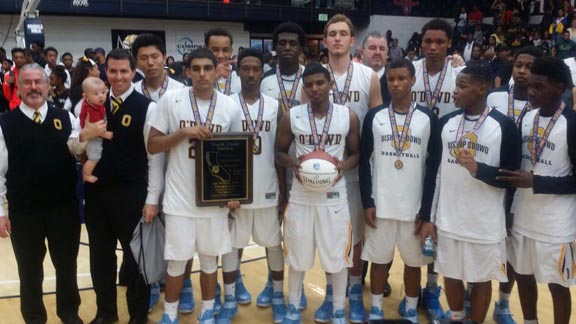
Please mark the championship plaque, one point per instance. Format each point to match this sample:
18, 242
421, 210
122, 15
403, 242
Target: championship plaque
224, 169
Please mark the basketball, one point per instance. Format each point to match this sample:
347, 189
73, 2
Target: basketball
318, 171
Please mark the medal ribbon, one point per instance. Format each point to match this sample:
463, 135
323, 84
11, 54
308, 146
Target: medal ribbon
227, 85
163, 88
400, 138
527, 107
460, 133
253, 130
538, 145
432, 98
287, 102
196, 111
319, 142
341, 97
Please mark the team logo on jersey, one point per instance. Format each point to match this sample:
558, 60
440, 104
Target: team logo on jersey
57, 124
541, 131
406, 145
469, 142
126, 120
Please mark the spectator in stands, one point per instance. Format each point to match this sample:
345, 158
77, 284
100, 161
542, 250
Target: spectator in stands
565, 47
184, 58
90, 53
28, 56
477, 58
415, 43
478, 35
100, 59
169, 60
67, 59
411, 54
568, 11
475, 17
10, 85
467, 47
51, 55
506, 19
38, 53
491, 46
396, 52
461, 21
502, 65
389, 38
498, 7
572, 30
6, 66
499, 36
546, 44
556, 28
85, 67
267, 57
58, 92
523, 7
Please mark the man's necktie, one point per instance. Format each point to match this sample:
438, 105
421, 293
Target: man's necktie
116, 102
36, 117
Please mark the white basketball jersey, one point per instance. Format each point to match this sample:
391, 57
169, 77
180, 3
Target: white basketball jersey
444, 103
498, 99
358, 99
265, 179
174, 113
235, 85
543, 216
155, 95
397, 193
270, 87
335, 145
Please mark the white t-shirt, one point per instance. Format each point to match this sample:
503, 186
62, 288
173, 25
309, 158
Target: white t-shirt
155, 95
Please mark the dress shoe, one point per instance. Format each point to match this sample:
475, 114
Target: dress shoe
73, 320
104, 320
138, 321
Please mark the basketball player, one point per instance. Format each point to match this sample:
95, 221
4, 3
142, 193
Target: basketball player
258, 219
183, 116
394, 153
472, 144
513, 102
220, 42
318, 219
357, 87
543, 243
284, 82
435, 82
150, 54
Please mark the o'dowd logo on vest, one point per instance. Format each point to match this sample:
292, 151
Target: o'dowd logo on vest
126, 120
57, 124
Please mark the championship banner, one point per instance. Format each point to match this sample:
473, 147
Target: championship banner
123, 38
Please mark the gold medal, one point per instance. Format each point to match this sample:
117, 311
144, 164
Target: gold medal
398, 164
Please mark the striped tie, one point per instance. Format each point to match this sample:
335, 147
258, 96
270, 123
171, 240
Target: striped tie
36, 117
116, 102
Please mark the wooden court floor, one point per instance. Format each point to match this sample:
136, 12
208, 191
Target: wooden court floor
254, 273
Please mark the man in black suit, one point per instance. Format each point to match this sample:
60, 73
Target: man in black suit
375, 56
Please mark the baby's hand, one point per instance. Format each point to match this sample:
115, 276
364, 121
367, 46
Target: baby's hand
108, 135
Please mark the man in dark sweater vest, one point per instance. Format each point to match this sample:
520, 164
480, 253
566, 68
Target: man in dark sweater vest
375, 56
38, 175
114, 204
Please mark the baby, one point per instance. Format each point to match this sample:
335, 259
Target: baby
94, 92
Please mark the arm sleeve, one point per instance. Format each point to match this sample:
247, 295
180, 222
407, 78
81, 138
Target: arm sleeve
561, 185
365, 169
510, 156
155, 162
432, 166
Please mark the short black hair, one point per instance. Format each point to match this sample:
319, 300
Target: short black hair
18, 50
60, 72
292, 28
478, 73
438, 24
121, 54
402, 63
553, 68
201, 53
217, 32
315, 68
50, 49
250, 52
66, 54
8, 60
39, 43
529, 50
147, 39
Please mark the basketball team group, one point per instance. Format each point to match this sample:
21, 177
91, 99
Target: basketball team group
352, 160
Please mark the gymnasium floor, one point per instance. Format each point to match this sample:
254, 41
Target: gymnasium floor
254, 270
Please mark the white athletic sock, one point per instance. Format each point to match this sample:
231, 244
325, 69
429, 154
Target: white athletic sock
354, 280
295, 279
278, 286
530, 321
230, 289
377, 300
432, 283
411, 302
171, 309
503, 296
328, 279
206, 305
457, 315
339, 283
